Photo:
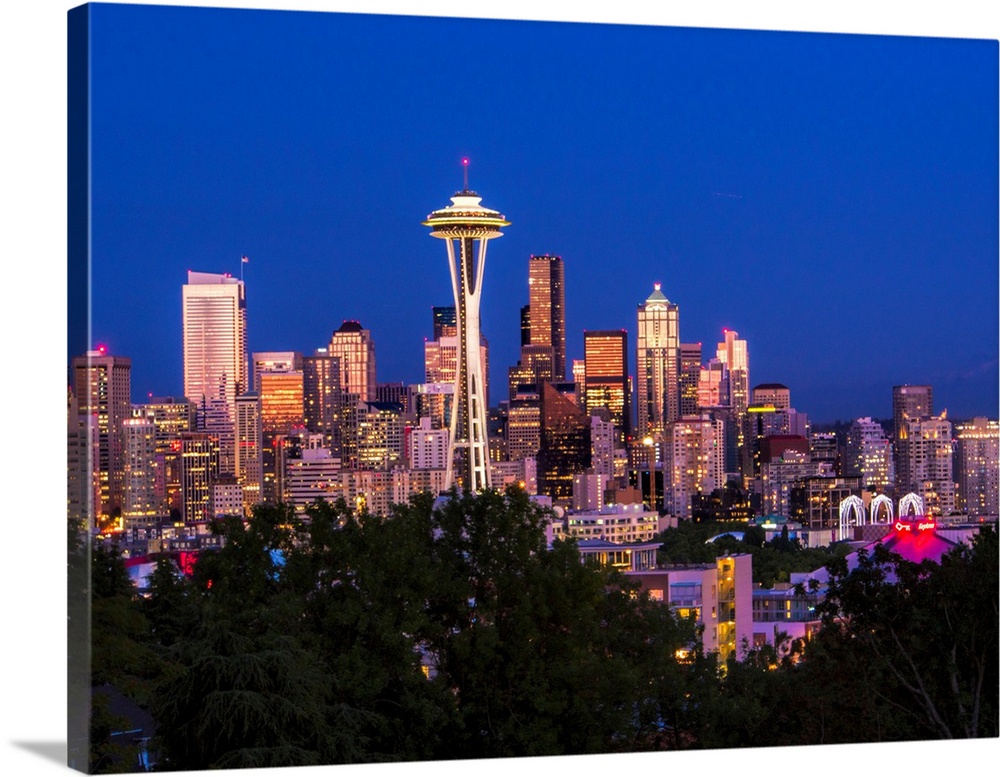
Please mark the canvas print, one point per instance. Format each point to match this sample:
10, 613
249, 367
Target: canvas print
462, 389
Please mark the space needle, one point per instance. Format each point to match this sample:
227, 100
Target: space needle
466, 222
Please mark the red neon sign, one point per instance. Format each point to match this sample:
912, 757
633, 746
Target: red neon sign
924, 524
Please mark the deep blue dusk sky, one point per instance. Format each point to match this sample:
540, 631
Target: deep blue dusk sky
833, 198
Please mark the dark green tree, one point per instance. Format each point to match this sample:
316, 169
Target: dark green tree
929, 632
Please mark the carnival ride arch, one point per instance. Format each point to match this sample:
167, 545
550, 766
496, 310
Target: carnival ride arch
908, 501
877, 503
851, 506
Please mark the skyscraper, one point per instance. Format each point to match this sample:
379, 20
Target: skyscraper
732, 352
690, 372
353, 345
606, 383
249, 456
141, 505
547, 309
869, 455
321, 397
694, 462
465, 221
657, 364
929, 463
565, 445
215, 342
102, 387
909, 403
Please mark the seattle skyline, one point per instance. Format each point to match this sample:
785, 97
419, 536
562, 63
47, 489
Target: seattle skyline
839, 214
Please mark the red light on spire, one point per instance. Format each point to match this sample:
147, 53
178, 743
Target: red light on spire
102, 349
465, 171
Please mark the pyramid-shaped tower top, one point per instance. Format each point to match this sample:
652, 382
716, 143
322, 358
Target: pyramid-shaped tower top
657, 298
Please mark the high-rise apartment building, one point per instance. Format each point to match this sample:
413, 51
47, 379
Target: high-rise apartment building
214, 318
606, 380
869, 455
352, 344
171, 416
978, 464
657, 364
909, 403
547, 309
102, 385
426, 447
928, 446
695, 462
141, 506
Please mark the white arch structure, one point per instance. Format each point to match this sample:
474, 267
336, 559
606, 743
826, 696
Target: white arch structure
852, 506
877, 502
911, 500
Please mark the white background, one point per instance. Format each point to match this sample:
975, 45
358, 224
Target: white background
33, 377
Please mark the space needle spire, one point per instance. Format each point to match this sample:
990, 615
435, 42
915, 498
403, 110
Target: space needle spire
462, 225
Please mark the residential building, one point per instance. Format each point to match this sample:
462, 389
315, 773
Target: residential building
977, 466
102, 387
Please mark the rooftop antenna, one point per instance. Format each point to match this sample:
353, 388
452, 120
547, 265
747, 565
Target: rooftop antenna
465, 167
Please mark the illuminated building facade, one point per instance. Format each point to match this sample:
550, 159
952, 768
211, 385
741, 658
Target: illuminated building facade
102, 387
426, 447
732, 352
565, 445
690, 373
524, 424
719, 596
199, 469
314, 474
657, 364
978, 464
606, 381
815, 501
171, 416
249, 450
694, 459
214, 317
352, 344
547, 309
909, 403
929, 464
321, 396
83, 490
380, 435
280, 391
441, 367
869, 455
465, 223
141, 505
776, 395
